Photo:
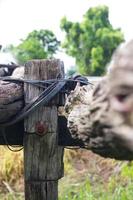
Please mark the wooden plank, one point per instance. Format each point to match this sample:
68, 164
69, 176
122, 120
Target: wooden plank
42, 190
43, 158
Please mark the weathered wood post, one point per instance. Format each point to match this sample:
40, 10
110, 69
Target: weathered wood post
43, 158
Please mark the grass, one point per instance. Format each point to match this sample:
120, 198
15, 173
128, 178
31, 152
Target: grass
118, 188
87, 177
11, 167
101, 182
11, 174
9, 196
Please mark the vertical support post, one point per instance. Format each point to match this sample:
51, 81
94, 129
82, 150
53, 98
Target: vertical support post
43, 158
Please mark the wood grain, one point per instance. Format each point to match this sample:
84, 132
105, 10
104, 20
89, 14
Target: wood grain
43, 158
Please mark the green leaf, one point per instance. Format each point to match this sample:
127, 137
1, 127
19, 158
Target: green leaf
92, 41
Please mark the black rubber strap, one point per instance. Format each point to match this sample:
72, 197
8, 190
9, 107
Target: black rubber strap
54, 87
43, 99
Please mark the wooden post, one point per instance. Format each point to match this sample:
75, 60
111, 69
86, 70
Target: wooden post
43, 158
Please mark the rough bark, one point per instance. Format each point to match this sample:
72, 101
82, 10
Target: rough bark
103, 117
11, 99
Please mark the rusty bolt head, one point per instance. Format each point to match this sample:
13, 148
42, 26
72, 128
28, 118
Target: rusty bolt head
41, 128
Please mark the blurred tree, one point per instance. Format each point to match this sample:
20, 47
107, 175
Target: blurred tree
37, 45
92, 41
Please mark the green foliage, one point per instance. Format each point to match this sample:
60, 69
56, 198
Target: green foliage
117, 189
12, 196
96, 186
127, 170
37, 45
92, 41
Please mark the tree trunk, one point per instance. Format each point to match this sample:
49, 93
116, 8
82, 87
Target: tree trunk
102, 117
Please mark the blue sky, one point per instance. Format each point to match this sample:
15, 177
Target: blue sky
19, 17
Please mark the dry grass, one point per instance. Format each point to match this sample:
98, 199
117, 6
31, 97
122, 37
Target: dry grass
11, 170
80, 166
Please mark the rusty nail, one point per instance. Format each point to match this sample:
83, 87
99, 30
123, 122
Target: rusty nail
41, 128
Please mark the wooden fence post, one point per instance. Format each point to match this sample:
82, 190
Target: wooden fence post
43, 158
